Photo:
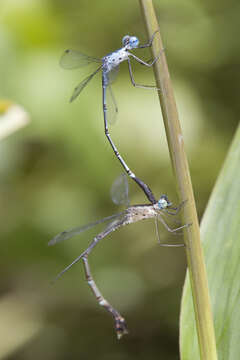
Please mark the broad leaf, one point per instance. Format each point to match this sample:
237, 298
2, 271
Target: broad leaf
220, 234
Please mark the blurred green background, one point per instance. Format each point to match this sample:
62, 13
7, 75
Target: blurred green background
56, 173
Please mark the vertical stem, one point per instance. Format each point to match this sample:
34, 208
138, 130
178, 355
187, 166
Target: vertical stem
195, 260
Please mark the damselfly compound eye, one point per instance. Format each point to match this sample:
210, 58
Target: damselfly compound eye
125, 40
134, 42
163, 202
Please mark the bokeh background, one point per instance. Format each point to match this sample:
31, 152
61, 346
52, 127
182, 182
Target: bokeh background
56, 172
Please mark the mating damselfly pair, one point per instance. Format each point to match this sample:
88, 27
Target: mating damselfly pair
157, 210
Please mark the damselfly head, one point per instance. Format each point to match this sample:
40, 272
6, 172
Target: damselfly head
163, 202
131, 42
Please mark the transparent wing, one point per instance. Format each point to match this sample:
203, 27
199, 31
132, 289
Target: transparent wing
72, 59
111, 101
120, 220
82, 84
113, 74
157, 230
112, 109
116, 223
80, 229
120, 191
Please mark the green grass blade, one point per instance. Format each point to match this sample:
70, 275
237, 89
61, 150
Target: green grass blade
220, 233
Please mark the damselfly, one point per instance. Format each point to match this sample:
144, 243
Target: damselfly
131, 215
109, 67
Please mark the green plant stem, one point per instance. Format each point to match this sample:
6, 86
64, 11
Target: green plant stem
195, 259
